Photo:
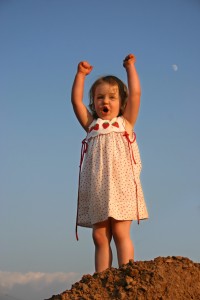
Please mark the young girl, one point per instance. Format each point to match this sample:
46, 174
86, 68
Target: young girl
110, 194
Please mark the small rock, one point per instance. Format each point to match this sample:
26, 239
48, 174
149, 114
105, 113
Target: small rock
128, 280
122, 295
128, 287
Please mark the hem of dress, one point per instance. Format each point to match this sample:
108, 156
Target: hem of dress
91, 225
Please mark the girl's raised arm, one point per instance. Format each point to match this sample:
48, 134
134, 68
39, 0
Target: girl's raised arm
133, 103
82, 113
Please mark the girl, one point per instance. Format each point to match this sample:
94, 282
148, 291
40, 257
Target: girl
110, 194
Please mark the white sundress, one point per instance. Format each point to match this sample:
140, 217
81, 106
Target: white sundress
109, 179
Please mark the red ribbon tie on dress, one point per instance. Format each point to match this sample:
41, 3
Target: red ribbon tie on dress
133, 161
83, 151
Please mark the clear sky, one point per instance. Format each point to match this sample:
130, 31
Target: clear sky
41, 43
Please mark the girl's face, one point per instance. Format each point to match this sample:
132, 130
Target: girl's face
107, 101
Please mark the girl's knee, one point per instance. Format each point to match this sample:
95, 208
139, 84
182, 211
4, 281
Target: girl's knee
100, 238
118, 236
102, 233
121, 230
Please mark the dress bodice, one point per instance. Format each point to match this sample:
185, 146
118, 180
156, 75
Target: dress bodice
99, 126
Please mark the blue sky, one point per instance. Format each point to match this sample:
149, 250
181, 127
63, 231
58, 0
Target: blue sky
41, 44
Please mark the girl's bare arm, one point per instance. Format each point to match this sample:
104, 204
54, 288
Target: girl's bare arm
82, 113
133, 102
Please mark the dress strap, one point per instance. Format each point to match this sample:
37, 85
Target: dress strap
83, 151
133, 161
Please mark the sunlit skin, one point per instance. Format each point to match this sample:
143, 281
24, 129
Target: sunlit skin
102, 233
107, 101
107, 104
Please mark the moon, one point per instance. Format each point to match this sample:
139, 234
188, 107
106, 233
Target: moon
175, 67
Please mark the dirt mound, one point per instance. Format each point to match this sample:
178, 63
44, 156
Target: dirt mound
170, 278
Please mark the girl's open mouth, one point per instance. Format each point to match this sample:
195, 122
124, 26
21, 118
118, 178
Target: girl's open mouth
105, 109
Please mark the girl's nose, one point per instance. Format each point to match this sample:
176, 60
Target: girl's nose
105, 100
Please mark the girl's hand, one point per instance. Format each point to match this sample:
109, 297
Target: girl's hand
129, 60
84, 67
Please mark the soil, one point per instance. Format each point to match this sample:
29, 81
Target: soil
164, 278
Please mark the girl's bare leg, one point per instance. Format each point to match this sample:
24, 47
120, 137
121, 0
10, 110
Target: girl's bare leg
123, 242
102, 236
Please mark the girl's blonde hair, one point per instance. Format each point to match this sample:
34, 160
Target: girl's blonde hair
112, 80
